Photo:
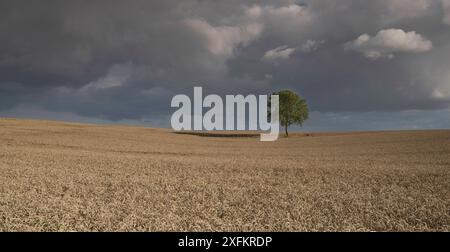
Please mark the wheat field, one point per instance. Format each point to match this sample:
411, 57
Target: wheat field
58, 176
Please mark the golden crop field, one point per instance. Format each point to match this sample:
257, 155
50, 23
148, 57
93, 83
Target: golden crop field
61, 176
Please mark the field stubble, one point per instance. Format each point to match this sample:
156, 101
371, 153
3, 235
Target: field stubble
62, 176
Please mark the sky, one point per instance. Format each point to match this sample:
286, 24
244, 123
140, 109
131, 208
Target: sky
360, 64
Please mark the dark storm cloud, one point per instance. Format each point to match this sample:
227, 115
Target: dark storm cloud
123, 60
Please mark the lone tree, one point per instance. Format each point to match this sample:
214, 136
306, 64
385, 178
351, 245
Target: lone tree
293, 109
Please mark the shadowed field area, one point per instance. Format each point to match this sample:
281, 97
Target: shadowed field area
62, 176
218, 134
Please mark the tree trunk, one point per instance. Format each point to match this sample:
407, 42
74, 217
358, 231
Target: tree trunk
285, 129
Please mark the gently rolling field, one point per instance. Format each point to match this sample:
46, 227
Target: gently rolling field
63, 176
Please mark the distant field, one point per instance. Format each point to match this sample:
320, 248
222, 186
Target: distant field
61, 176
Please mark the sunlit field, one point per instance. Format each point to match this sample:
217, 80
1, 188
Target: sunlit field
64, 176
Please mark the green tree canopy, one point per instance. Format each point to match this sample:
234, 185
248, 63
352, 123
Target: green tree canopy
293, 109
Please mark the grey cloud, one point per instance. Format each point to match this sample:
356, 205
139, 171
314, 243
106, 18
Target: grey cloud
279, 53
311, 45
387, 42
446, 7
120, 60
